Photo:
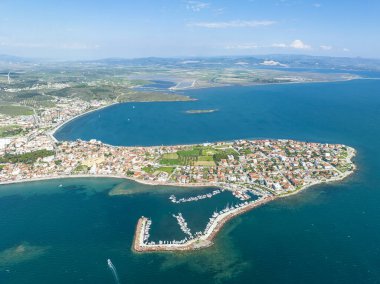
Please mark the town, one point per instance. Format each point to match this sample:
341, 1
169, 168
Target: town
270, 166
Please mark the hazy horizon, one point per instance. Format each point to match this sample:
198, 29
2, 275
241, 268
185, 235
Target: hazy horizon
258, 56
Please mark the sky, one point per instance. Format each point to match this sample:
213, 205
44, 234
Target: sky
89, 29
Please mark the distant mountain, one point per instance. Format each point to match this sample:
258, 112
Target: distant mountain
324, 62
284, 61
256, 61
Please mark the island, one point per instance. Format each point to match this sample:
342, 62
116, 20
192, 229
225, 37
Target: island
199, 111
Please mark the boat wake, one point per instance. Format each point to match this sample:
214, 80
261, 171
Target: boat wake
114, 271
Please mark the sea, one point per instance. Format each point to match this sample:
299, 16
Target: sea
63, 231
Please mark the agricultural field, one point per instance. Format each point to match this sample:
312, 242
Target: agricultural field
10, 130
12, 110
197, 156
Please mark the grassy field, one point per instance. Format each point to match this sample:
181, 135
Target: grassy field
151, 170
168, 170
26, 158
171, 156
81, 169
205, 163
138, 96
208, 151
205, 158
10, 130
170, 162
111, 93
196, 156
15, 110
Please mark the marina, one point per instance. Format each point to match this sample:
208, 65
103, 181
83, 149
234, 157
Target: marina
201, 239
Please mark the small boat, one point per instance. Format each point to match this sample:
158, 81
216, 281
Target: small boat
60, 185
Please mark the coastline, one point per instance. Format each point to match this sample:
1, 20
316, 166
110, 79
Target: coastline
59, 177
157, 183
55, 129
267, 84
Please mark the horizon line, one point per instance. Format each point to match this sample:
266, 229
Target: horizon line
57, 59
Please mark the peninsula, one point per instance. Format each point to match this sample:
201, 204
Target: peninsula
267, 168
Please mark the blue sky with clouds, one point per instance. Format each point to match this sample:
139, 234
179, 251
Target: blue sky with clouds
95, 29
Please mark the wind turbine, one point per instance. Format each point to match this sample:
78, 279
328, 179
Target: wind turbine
9, 77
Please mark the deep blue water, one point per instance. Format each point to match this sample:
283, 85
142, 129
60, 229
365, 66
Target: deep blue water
317, 112
327, 234
362, 73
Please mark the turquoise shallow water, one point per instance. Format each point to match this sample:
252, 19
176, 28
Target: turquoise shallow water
327, 234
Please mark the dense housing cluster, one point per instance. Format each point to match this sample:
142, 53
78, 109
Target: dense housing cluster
271, 166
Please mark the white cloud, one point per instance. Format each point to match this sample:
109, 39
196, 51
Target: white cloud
326, 47
298, 44
196, 6
317, 5
272, 63
346, 50
232, 24
280, 45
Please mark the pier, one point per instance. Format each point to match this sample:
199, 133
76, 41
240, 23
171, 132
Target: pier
183, 224
173, 198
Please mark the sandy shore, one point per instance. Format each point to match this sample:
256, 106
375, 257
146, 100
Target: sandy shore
60, 177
